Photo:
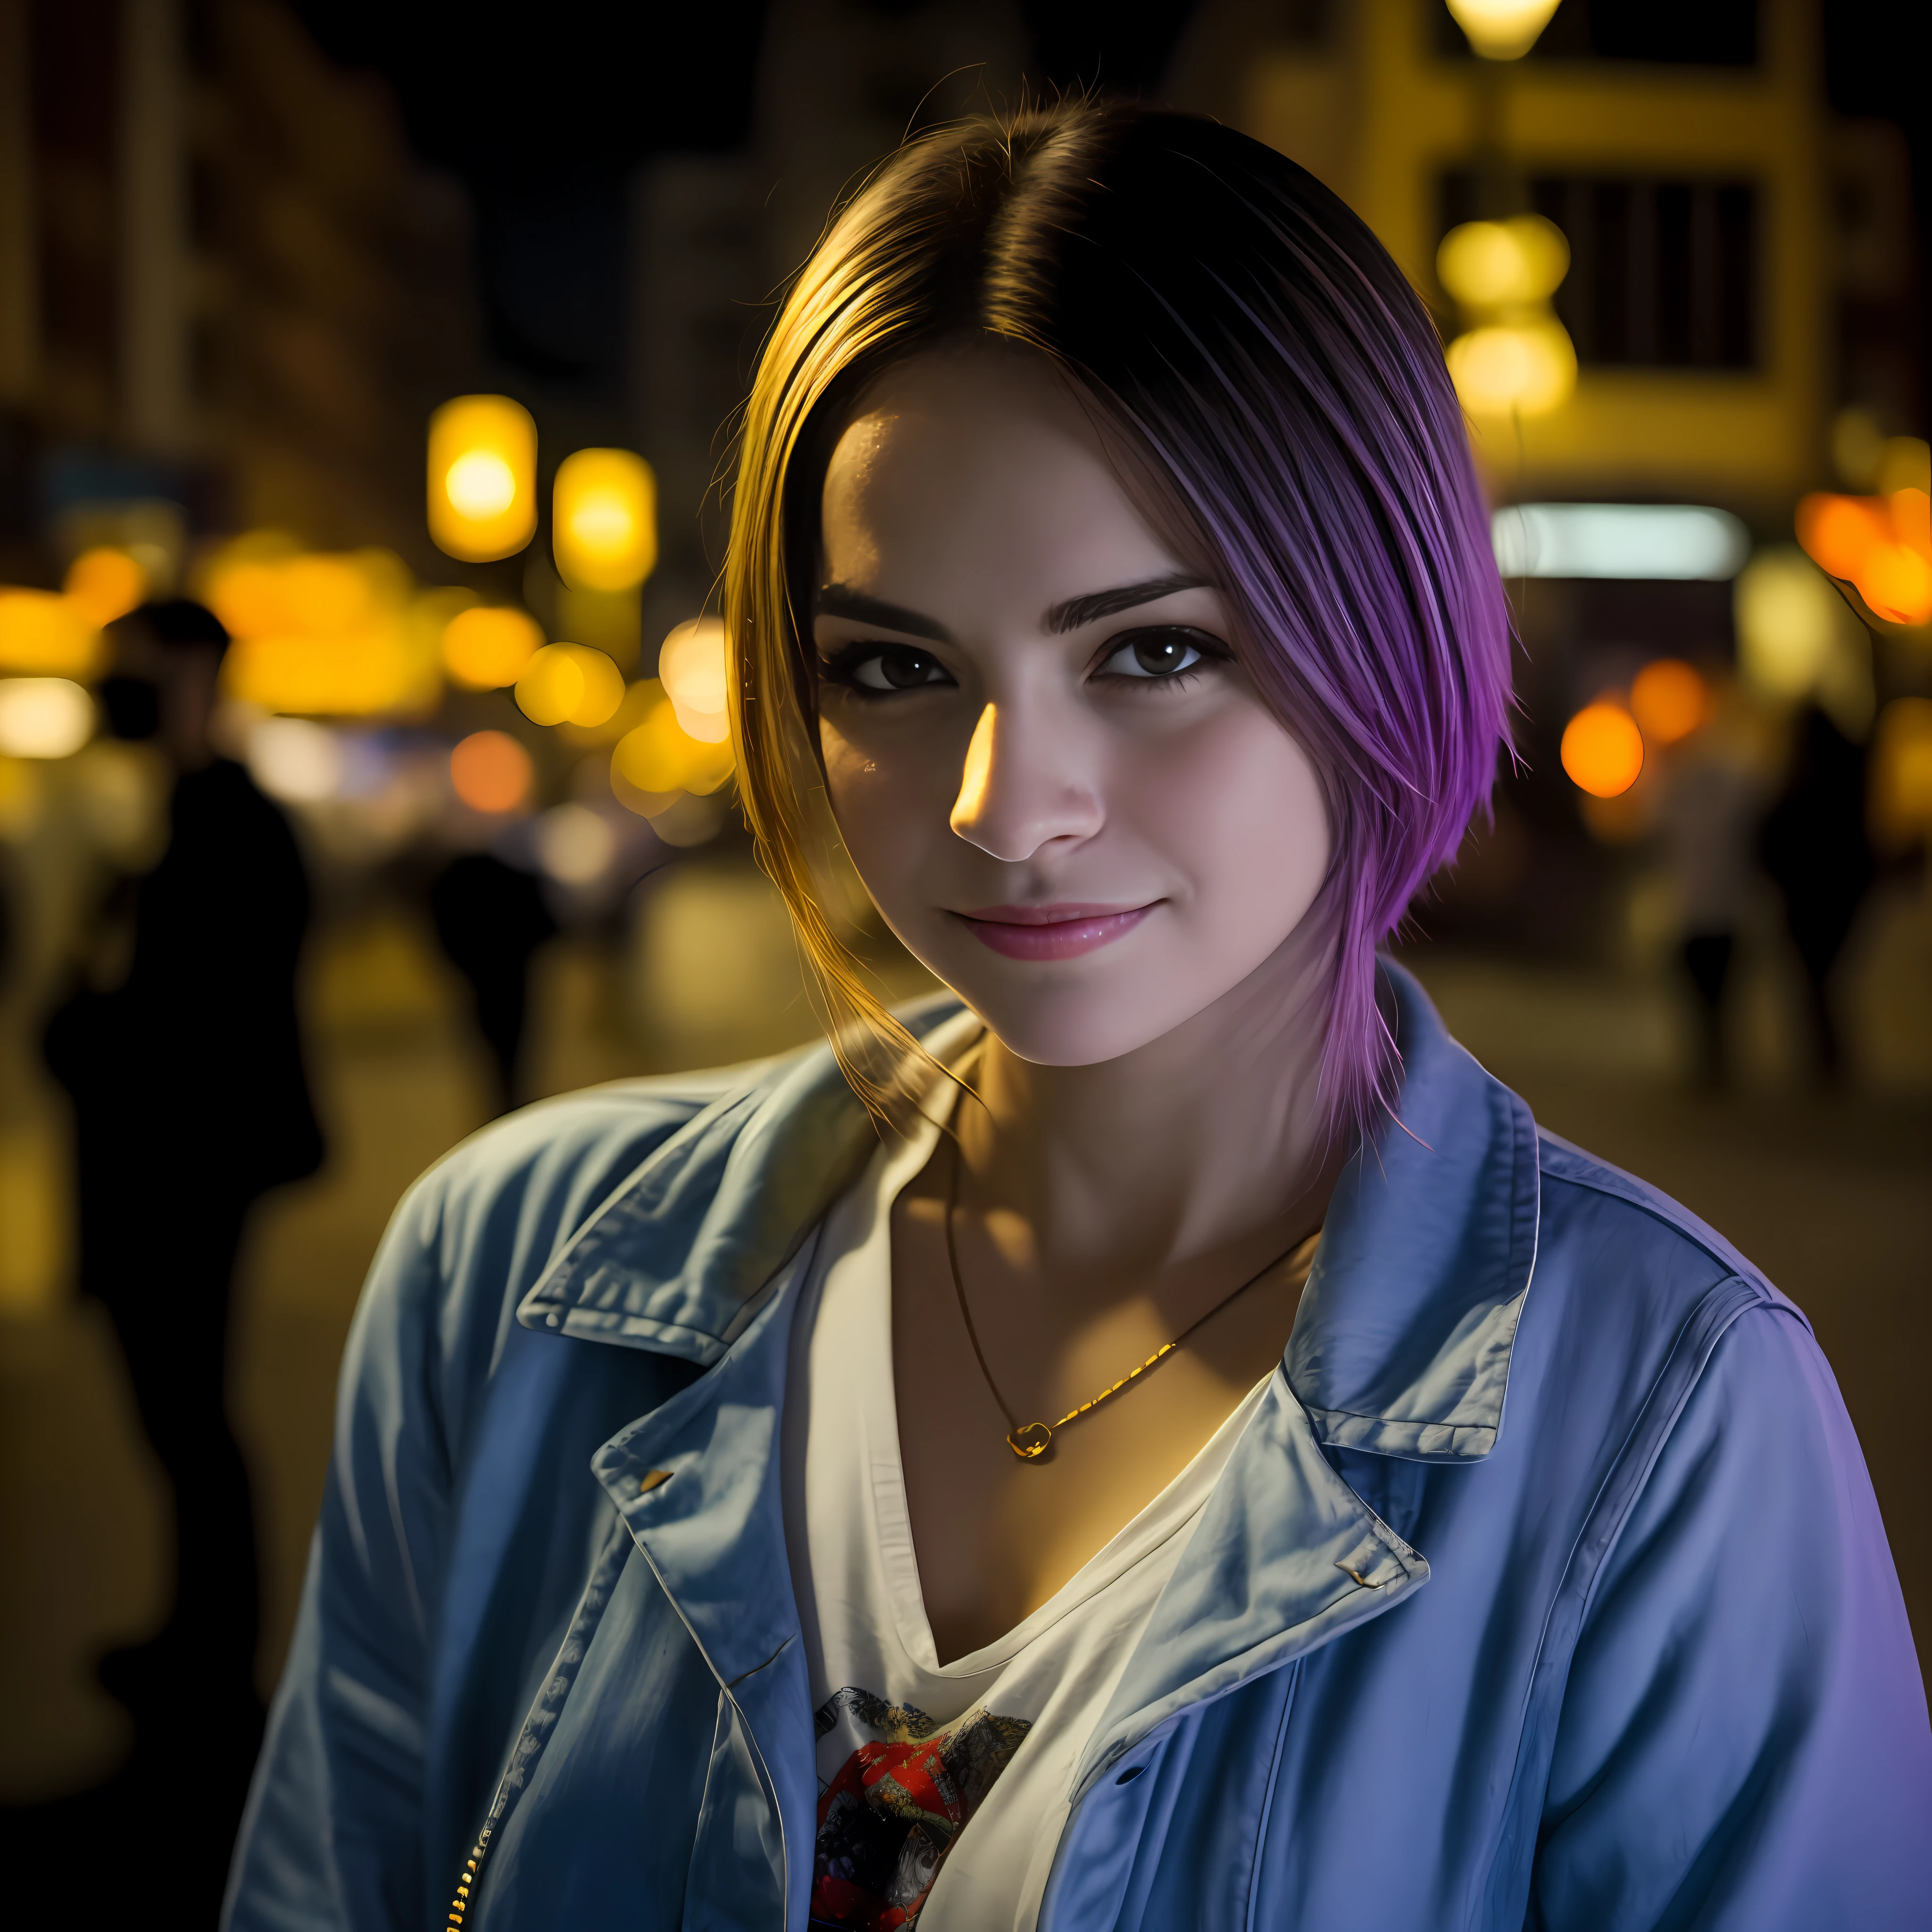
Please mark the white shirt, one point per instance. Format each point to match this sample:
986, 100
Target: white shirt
916, 1757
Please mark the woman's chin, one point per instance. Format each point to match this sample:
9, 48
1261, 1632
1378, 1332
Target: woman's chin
1082, 1024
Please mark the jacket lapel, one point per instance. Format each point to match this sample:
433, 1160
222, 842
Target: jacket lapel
1284, 1557
1401, 1345
697, 1484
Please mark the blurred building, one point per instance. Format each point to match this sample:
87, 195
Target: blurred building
228, 299
227, 287
1740, 261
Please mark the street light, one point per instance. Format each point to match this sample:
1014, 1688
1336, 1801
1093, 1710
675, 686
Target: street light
482, 478
1502, 30
1518, 358
603, 520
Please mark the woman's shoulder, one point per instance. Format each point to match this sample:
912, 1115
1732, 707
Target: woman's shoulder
1605, 1201
557, 1158
1649, 1316
481, 1226
1616, 1237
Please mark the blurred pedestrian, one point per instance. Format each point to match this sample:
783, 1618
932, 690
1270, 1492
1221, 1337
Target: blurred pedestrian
491, 918
1816, 846
1709, 806
189, 1100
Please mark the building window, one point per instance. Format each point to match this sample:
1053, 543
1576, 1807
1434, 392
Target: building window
1663, 273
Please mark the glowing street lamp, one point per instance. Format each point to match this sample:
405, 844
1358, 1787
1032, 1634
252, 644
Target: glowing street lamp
1502, 30
603, 520
482, 478
1488, 265
1519, 357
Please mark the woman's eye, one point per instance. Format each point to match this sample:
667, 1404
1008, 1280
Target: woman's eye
895, 667
1161, 653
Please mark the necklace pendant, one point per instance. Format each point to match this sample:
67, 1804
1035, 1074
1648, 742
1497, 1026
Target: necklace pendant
1030, 1441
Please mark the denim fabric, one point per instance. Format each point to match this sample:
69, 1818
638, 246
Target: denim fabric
1546, 1589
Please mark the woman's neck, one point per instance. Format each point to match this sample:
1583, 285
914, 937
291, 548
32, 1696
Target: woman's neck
1210, 1139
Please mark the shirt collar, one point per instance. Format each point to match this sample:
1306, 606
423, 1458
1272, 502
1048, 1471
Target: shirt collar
1402, 1343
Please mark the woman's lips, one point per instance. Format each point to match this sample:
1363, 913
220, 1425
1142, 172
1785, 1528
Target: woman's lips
1052, 931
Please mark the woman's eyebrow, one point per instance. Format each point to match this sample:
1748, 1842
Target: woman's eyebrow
841, 600
1077, 611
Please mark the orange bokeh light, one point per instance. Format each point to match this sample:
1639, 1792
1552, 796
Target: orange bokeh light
1603, 750
1669, 700
106, 584
1882, 545
490, 772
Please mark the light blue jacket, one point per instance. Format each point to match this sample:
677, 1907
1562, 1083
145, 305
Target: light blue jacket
1547, 1587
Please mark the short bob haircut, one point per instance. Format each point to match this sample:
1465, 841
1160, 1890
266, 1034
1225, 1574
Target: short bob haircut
1283, 390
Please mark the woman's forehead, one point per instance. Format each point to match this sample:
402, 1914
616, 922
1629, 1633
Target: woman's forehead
972, 462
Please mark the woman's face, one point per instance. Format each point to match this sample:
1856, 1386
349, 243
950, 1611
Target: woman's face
1060, 789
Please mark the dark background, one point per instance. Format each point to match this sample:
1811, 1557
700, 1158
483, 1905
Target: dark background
544, 127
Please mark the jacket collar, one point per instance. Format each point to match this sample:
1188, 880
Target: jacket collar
1402, 1345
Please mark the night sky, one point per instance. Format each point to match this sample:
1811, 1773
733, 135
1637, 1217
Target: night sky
543, 113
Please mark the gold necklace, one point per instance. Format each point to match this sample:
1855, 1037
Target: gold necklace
1031, 1440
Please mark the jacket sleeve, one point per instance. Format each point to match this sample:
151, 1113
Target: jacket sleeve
334, 1835
1743, 1745
331, 1837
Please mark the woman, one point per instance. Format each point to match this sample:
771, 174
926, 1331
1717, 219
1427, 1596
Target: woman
1109, 574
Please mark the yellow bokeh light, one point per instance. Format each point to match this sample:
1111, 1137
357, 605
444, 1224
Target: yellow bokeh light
1496, 264
490, 646
659, 758
481, 485
106, 583
1669, 700
569, 684
44, 631
1791, 625
482, 478
637, 701
43, 717
692, 665
1603, 750
1523, 368
343, 634
1502, 30
603, 520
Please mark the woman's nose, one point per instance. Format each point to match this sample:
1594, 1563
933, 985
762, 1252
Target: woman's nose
1019, 790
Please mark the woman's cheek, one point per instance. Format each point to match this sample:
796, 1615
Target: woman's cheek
880, 813
1238, 810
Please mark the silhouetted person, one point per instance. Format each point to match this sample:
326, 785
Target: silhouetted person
491, 919
1816, 849
189, 1100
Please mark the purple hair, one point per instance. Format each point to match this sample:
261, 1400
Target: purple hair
1255, 340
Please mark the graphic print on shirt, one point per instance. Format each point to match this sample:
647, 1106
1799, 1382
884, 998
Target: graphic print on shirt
889, 1815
